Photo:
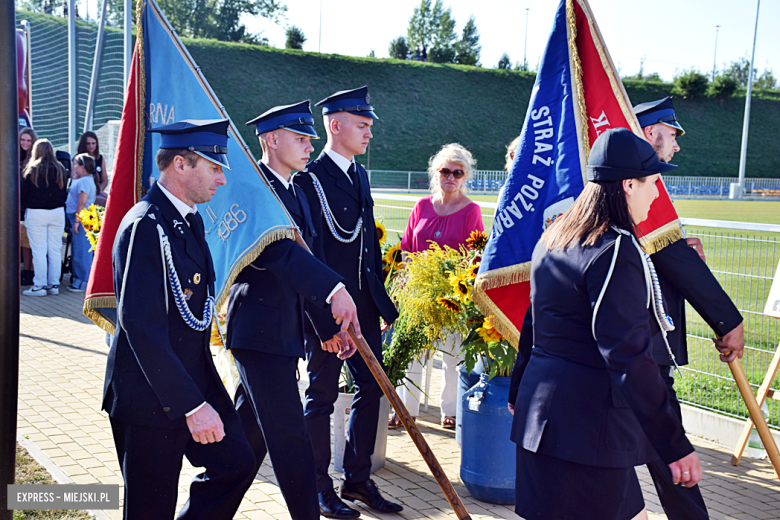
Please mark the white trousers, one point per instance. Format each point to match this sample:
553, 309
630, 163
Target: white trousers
44, 229
410, 394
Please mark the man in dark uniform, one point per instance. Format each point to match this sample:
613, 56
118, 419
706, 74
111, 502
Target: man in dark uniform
266, 317
162, 392
683, 275
342, 209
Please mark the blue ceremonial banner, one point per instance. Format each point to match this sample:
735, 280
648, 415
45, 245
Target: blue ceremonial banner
546, 177
240, 220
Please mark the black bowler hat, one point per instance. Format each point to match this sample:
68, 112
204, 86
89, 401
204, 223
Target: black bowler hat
659, 111
295, 118
357, 101
206, 137
618, 154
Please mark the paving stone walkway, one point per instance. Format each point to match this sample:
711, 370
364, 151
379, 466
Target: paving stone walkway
62, 364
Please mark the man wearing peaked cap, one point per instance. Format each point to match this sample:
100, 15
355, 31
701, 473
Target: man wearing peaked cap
340, 202
683, 275
162, 392
266, 317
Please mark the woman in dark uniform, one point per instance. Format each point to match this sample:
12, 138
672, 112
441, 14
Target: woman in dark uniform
590, 403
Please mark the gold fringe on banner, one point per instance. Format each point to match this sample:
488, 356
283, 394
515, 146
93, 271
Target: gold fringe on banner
140, 104
250, 256
575, 63
91, 311
662, 237
498, 278
500, 322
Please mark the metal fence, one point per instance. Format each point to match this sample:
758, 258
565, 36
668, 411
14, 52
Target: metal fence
490, 181
743, 257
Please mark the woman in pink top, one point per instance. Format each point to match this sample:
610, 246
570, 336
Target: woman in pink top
446, 217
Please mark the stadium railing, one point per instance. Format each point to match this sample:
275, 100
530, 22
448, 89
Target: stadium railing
681, 187
743, 257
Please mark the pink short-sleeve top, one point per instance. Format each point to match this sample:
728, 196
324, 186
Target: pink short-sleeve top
452, 230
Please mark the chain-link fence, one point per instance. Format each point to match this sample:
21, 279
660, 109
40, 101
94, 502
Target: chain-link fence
743, 258
49, 70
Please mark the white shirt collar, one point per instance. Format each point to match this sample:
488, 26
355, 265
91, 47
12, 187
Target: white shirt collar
181, 206
341, 161
284, 182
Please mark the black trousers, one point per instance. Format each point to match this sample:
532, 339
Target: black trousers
151, 460
271, 411
679, 503
324, 369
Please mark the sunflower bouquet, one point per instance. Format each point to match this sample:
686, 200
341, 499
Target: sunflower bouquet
392, 259
91, 219
434, 296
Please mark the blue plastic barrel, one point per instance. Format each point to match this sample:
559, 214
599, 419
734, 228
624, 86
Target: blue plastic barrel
465, 381
487, 463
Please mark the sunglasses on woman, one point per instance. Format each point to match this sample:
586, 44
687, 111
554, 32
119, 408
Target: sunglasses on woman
445, 172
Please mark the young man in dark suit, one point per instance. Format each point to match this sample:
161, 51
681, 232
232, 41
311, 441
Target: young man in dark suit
340, 202
683, 275
266, 317
162, 392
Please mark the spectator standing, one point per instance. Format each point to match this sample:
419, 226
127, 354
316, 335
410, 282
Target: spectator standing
43, 207
446, 217
83, 188
27, 138
89, 144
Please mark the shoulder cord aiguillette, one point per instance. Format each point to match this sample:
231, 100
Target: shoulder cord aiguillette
178, 294
333, 224
654, 296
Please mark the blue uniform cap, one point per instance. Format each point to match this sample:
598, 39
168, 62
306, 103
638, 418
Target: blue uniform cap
357, 101
659, 111
206, 137
618, 154
295, 118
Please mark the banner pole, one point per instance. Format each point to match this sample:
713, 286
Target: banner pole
414, 432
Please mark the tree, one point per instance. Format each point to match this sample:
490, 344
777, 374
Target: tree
372, 54
691, 84
295, 38
467, 50
740, 71
422, 25
767, 81
444, 38
398, 48
723, 87
504, 63
218, 19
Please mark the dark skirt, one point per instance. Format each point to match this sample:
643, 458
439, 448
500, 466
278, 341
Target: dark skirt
553, 489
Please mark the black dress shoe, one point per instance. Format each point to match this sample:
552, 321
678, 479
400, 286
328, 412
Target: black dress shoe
331, 506
368, 493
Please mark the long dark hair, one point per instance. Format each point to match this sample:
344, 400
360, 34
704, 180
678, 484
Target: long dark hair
599, 205
83, 144
85, 160
42, 159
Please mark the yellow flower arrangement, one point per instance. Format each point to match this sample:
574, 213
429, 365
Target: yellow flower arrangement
488, 333
91, 219
393, 257
461, 287
381, 232
477, 240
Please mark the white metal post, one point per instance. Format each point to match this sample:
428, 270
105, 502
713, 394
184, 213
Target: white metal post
128, 47
736, 192
72, 85
95, 68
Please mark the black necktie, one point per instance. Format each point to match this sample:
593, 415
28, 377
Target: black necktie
353, 174
194, 222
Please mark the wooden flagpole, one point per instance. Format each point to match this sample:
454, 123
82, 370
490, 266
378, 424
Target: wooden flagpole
411, 426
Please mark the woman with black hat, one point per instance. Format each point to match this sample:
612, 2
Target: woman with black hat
591, 404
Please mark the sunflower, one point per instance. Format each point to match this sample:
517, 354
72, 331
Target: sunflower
488, 333
472, 271
381, 232
461, 287
215, 337
393, 257
449, 304
477, 240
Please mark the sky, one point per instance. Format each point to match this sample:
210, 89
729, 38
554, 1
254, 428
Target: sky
669, 35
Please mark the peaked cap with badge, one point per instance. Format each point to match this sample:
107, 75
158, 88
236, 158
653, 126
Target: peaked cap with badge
295, 118
658, 111
356, 101
206, 137
618, 154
